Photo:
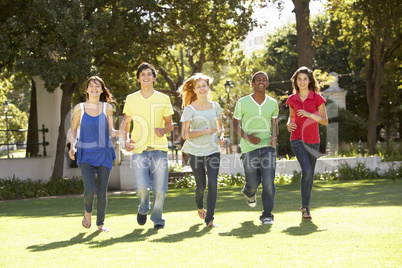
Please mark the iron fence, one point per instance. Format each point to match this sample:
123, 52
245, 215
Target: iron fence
44, 143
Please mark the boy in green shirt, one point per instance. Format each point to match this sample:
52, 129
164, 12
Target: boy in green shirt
255, 120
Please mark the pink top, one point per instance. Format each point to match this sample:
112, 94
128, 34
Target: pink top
307, 128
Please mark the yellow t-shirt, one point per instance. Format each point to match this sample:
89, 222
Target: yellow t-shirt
147, 114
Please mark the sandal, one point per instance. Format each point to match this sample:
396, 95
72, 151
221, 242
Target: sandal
202, 213
85, 223
305, 214
211, 224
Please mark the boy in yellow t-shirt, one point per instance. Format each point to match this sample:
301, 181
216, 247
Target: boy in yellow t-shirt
151, 113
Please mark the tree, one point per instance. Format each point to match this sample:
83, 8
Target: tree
305, 45
280, 58
66, 42
305, 48
16, 120
33, 135
200, 30
12, 86
281, 54
373, 27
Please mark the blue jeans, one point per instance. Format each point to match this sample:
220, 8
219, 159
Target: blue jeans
88, 176
259, 167
210, 164
151, 173
306, 154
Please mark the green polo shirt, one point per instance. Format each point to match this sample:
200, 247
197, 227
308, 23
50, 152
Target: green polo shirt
256, 118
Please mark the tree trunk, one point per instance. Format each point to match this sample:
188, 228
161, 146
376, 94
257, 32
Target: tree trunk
305, 50
33, 133
196, 67
373, 91
68, 89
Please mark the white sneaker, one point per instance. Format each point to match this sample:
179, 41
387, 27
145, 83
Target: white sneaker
251, 201
268, 220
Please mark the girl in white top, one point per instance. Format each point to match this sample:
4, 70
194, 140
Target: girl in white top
203, 131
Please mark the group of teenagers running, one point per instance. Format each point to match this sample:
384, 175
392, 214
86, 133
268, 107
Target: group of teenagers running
255, 120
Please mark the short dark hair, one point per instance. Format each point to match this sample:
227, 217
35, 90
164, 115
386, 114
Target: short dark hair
257, 73
144, 66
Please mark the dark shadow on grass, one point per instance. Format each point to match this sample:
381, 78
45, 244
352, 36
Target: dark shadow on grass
248, 229
78, 239
192, 232
304, 228
134, 236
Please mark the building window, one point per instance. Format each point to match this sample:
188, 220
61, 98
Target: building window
258, 40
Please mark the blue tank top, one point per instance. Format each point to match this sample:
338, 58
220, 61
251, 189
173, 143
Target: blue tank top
94, 145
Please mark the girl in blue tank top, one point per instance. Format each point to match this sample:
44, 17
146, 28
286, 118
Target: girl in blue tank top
95, 152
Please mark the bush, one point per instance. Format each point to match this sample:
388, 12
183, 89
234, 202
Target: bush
352, 128
393, 174
175, 167
283, 147
13, 188
187, 181
360, 172
391, 151
229, 179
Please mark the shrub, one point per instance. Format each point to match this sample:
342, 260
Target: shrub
175, 167
327, 176
360, 172
391, 152
13, 188
283, 147
393, 173
352, 128
187, 181
230, 179
285, 178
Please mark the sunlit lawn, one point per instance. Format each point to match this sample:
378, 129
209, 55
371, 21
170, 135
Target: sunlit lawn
355, 224
13, 153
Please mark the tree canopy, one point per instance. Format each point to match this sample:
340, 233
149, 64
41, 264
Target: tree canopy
66, 42
373, 28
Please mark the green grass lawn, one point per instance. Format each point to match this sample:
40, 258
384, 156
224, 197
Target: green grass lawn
355, 224
13, 154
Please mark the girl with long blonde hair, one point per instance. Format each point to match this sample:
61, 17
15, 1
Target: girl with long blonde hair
203, 132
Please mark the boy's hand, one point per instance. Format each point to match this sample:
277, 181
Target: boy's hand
253, 139
129, 145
